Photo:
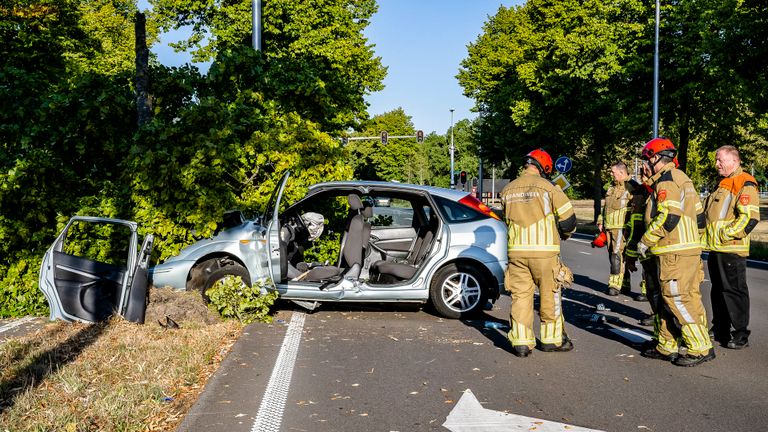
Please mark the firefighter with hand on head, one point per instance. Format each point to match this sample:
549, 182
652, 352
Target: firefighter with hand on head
673, 219
538, 215
732, 212
614, 221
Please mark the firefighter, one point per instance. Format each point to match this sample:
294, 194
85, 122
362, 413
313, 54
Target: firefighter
732, 212
614, 222
538, 215
650, 286
672, 221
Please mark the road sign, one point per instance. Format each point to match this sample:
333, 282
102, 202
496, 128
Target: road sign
561, 181
563, 164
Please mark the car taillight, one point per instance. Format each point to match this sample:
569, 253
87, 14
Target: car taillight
474, 203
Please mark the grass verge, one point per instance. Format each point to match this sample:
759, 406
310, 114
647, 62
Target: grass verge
113, 376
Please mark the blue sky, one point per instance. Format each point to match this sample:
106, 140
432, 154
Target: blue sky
422, 42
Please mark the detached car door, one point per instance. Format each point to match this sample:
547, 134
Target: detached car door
95, 269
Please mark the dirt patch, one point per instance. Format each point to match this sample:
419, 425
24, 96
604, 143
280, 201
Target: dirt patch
180, 306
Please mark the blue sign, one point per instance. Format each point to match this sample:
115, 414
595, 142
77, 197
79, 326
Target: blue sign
563, 164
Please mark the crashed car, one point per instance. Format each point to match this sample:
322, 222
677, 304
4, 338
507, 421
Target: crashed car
96, 269
396, 243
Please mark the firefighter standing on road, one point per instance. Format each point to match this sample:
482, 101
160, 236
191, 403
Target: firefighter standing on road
614, 222
672, 234
732, 212
538, 215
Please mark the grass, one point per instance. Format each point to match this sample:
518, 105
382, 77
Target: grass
113, 376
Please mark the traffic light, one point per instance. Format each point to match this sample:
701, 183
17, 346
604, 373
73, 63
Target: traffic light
419, 136
344, 141
463, 177
384, 137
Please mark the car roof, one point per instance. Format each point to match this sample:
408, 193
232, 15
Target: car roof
368, 185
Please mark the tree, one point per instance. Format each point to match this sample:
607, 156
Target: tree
545, 75
315, 60
372, 160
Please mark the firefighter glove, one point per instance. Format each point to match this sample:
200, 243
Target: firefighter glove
642, 248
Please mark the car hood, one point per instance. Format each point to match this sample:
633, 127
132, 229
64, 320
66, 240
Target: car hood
250, 230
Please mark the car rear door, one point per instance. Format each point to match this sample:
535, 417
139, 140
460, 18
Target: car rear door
95, 269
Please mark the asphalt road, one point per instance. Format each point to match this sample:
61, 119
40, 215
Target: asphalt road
358, 368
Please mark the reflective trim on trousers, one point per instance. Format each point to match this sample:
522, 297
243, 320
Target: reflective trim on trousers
552, 332
520, 335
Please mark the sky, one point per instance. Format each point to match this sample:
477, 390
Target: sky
422, 43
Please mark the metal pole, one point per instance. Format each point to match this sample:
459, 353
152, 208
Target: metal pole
453, 149
480, 172
656, 77
256, 6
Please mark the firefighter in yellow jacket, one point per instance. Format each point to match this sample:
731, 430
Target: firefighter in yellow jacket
732, 212
672, 234
614, 221
538, 215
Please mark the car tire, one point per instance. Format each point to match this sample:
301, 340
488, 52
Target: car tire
222, 273
207, 273
457, 291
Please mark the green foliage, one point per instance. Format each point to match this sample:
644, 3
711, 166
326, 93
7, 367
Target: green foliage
19, 293
231, 298
324, 249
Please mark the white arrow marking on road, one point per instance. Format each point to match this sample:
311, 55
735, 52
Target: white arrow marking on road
469, 416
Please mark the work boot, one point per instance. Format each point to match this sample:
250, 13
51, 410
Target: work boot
738, 342
521, 351
613, 292
653, 353
692, 360
721, 336
566, 346
641, 297
647, 321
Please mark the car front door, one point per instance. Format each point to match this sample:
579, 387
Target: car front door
278, 262
95, 269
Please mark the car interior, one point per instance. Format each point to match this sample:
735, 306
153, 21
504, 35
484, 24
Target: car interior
380, 238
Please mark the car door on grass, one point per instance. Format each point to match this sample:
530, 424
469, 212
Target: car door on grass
95, 269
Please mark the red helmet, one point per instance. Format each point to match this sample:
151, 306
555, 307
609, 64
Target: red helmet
661, 146
600, 240
541, 159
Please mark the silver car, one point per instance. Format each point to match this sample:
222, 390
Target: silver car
391, 242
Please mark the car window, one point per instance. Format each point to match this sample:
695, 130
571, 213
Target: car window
392, 212
102, 242
457, 213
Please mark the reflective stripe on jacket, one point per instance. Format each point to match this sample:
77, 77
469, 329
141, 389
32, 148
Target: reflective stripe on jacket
538, 214
672, 218
732, 212
617, 205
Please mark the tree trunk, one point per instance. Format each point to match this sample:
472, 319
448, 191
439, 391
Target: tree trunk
597, 182
685, 136
143, 103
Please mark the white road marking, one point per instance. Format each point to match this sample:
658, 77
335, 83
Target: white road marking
585, 253
16, 323
469, 416
633, 335
270, 413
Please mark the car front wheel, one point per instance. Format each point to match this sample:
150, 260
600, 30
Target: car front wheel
456, 291
208, 273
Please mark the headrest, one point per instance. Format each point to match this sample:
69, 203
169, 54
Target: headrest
355, 203
367, 210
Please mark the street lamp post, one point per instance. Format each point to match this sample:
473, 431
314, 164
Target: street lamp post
452, 149
656, 77
256, 22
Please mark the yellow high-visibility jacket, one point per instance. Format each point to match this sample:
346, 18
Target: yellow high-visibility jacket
618, 202
732, 212
674, 215
538, 215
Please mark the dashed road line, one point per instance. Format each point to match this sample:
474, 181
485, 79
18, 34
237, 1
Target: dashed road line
270, 413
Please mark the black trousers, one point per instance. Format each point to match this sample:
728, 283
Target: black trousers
652, 280
730, 295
